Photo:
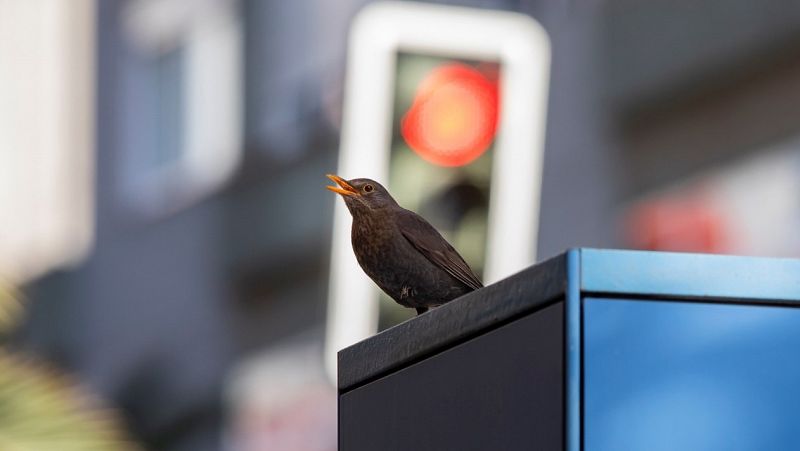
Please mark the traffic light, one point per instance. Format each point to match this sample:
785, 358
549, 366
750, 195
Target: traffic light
451, 116
445, 106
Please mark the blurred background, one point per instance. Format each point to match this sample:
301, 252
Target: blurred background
163, 221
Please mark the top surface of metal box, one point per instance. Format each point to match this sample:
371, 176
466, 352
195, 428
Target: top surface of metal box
584, 272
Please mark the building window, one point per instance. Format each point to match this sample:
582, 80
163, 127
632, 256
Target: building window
179, 98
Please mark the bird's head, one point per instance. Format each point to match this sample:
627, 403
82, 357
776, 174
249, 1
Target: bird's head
361, 195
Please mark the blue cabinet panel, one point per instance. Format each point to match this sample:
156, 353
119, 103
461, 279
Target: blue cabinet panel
690, 376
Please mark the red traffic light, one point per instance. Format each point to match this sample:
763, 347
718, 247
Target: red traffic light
453, 117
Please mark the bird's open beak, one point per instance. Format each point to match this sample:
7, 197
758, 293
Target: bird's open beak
344, 188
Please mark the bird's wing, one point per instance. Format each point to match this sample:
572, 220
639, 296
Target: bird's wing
427, 240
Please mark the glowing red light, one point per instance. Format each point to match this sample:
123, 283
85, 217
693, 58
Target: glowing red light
453, 117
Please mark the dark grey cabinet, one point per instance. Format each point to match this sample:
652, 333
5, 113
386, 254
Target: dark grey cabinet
594, 349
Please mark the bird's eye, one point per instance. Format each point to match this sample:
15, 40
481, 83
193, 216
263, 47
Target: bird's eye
368, 188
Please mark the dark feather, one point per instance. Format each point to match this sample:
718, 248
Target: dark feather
427, 240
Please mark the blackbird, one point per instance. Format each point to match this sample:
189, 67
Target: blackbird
400, 251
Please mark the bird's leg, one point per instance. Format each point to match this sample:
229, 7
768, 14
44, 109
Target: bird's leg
421, 310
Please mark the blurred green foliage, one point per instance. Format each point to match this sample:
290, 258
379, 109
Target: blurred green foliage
42, 409
10, 308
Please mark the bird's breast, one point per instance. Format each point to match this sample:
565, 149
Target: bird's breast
371, 241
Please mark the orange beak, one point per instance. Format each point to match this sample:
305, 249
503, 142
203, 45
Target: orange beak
344, 188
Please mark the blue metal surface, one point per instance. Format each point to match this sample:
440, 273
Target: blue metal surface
694, 275
573, 352
690, 376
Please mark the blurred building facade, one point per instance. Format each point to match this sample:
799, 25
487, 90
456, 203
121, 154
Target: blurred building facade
182, 283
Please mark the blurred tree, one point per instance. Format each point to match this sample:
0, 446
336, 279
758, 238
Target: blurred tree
42, 409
